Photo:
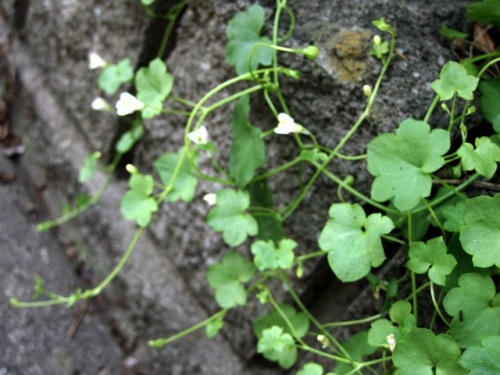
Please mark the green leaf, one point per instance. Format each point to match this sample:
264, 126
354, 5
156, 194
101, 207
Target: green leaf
489, 99
432, 258
483, 159
227, 278
278, 347
310, 368
313, 155
455, 79
214, 326
402, 162
382, 25
137, 204
184, 186
400, 313
248, 150
352, 240
480, 235
299, 320
270, 257
153, 85
484, 359
379, 50
454, 216
474, 314
270, 226
228, 217
89, 167
147, 2
422, 352
450, 33
358, 348
130, 137
114, 75
243, 32
486, 12
38, 287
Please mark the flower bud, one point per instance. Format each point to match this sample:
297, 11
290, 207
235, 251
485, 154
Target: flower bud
132, 169
367, 90
323, 340
377, 40
311, 52
391, 341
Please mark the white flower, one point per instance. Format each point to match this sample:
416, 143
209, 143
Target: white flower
391, 341
96, 61
287, 125
99, 104
211, 199
199, 136
128, 104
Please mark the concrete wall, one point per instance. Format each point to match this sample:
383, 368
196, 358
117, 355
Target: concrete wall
163, 287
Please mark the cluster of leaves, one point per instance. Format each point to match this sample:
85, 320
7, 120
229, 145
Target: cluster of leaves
460, 262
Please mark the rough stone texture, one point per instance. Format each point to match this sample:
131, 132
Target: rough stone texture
171, 261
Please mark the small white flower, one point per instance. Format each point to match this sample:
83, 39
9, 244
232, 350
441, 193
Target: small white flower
367, 90
100, 104
128, 104
199, 136
323, 340
377, 40
210, 198
96, 61
287, 125
391, 341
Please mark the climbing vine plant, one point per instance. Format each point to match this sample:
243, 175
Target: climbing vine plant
408, 204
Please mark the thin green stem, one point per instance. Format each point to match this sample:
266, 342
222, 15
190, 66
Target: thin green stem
436, 305
353, 322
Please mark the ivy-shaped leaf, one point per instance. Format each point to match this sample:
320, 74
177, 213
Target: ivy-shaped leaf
310, 368
486, 12
114, 75
483, 159
227, 278
278, 346
352, 240
214, 326
130, 137
137, 203
402, 162
483, 359
89, 167
185, 182
153, 86
270, 257
422, 352
248, 150
400, 314
431, 257
480, 234
243, 32
228, 217
299, 320
454, 217
489, 99
455, 79
472, 305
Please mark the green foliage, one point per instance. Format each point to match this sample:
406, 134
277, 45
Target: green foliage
432, 258
153, 85
88, 169
454, 79
352, 240
402, 162
278, 346
137, 203
480, 234
130, 137
450, 33
475, 308
214, 326
227, 278
244, 49
358, 348
483, 159
184, 182
147, 2
114, 75
298, 320
486, 12
482, 359
488, 101
270, 257
248, 150
229, 217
